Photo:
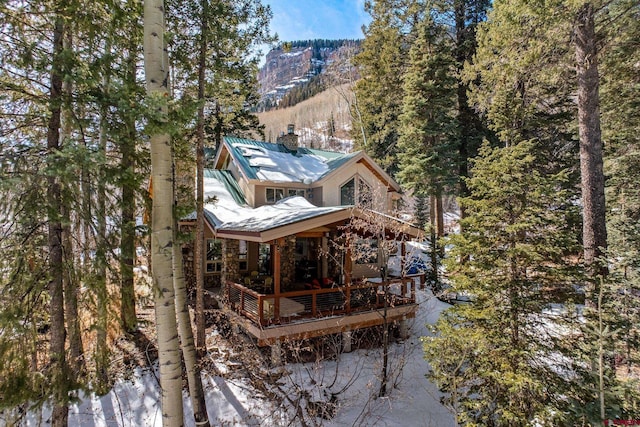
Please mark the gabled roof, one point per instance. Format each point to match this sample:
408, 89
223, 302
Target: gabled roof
266, 161
229, 216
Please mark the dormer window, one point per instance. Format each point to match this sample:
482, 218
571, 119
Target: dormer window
356, 190
274, 194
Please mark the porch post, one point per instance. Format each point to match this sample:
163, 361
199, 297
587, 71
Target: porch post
324, 259
276, 353
276, 255
403, 328
347, 266
347, 279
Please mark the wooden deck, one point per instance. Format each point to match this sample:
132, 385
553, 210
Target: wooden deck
310, 313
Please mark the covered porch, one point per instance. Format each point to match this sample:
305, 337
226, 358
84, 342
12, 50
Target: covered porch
298, 283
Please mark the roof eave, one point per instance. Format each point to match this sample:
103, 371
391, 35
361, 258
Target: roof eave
308, 224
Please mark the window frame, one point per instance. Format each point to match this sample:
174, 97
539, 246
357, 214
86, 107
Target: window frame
362, 192
275, 191
352, 196
213, 265
243, 255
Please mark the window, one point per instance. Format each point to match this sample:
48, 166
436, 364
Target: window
274, 194
365, 197
350, 192
296, 192
214, 256
366, 251
242, 256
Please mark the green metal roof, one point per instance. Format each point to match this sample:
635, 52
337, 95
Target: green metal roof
229, 182
332, 160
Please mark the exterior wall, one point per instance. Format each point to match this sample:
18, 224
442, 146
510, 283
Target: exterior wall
316, 197
331, 187
259, 195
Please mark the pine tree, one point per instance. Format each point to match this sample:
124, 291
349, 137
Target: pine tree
220, 89
468, 14
428, 126
489, 356
382, 63
531, 62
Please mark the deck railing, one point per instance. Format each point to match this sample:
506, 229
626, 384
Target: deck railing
269, 309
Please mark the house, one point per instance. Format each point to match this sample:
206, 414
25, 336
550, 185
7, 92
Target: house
298, 239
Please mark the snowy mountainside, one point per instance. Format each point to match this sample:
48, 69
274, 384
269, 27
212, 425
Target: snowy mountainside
299, 65
322, 122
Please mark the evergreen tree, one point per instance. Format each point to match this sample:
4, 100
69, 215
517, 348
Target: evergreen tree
492, 357
621, 117
82, 177
382, 63
57, 352
428, 126
468, 14
428, 131
221, 88
531, 62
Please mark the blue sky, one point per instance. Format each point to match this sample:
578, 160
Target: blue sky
317, 19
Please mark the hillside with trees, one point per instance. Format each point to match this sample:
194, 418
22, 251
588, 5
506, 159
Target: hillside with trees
322, 121
297, 70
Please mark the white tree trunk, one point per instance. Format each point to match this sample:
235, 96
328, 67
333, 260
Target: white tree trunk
196, 391
157, 78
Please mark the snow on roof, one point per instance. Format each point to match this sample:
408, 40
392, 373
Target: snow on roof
273, 162
284, 212
225, 213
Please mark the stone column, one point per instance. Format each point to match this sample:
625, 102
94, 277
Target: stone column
288, 262
276, 353
346, 341
230, 265
403, 328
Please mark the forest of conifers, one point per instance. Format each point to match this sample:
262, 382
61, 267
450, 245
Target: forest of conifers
526, 111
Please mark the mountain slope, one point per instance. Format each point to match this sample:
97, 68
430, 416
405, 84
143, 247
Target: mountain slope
300, 67
322, 121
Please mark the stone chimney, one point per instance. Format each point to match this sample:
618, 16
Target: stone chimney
290, 139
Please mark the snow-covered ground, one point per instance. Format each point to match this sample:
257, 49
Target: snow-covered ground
235, 401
